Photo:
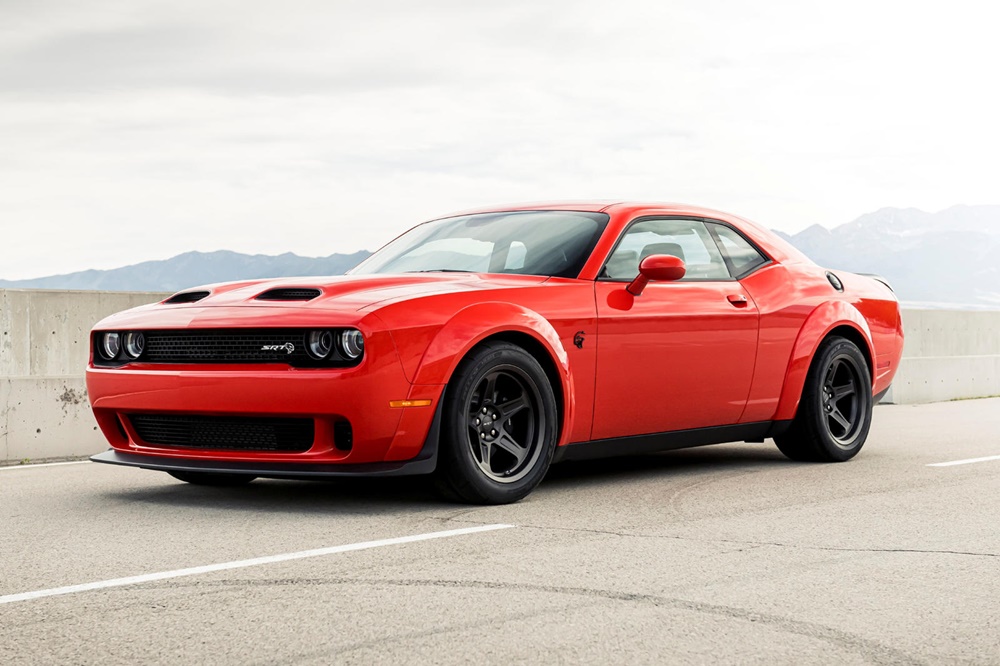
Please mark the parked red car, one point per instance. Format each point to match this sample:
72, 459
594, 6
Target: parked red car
482, 347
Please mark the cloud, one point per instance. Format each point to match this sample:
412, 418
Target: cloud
138, 130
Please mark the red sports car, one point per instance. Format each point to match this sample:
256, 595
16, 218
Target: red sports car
482, 347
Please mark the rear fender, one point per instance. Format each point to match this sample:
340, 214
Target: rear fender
819, 324
476, 323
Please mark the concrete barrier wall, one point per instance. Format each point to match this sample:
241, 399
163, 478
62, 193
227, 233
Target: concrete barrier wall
43, 352
948, 355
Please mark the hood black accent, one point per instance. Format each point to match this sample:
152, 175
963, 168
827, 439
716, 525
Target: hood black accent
186, 297
289, 294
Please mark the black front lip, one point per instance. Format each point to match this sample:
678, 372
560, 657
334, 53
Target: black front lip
419, 465
424, 463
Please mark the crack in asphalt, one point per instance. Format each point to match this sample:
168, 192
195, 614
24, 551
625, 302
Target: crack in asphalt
875, 651
739, 542
872, 650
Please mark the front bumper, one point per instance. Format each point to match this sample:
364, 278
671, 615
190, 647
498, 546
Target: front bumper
360, 396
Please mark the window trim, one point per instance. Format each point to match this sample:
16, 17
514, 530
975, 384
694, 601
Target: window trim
647, 218
768, 260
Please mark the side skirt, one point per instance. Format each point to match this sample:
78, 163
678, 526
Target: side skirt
668, 441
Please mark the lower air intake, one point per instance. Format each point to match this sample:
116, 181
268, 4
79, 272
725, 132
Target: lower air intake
287, 435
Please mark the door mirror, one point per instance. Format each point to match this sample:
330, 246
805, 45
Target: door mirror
659, 268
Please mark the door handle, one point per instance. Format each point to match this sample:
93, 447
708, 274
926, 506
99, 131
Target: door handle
738, 300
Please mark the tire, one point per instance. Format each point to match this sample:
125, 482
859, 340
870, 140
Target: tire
499, 427
835, 411
213, 478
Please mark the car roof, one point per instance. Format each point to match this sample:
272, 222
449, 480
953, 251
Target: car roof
599, 206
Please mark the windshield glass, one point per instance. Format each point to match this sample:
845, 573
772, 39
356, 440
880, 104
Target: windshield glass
553, 243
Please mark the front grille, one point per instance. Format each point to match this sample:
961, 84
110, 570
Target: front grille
226, 346
234, 433
289, 294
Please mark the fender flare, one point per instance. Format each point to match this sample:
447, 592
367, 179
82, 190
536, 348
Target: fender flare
820, 322
475, 323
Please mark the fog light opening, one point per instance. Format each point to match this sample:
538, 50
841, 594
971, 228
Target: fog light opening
343, 436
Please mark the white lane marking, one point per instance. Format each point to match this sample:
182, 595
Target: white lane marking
967, 461
241, 564
35, 465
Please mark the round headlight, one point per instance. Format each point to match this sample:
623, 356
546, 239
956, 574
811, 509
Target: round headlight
319, 344
352, 343
111, 344
135, 343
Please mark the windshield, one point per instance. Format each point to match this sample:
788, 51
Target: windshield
552, 243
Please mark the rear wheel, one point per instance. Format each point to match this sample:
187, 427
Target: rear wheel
213, 478
500, 425
835, 411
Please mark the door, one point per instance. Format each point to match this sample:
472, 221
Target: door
681, 354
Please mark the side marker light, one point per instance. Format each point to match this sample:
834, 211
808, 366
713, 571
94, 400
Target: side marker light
399, 404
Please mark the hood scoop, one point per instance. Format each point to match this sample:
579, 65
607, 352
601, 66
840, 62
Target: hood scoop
289, 294
186, 297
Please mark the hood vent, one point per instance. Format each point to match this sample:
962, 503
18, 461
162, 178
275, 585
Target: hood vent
186, 297
289, 294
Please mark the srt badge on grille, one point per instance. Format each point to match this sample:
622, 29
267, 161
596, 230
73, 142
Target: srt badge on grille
288, 348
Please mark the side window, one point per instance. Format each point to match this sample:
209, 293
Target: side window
743, 256
687, 239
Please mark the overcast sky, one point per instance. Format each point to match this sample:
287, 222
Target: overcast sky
134, 130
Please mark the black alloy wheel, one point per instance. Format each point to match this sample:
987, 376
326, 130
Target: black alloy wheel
835, 410
500, 427
504, 425
841, 400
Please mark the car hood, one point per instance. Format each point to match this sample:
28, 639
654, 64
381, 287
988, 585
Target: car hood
346, 292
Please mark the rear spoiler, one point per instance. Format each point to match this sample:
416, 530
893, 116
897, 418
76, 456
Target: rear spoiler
879, 278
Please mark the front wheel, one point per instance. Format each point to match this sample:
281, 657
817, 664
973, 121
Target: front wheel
212, 478
835, 411
500, 427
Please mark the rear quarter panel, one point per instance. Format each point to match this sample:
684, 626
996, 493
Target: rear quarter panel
798, 309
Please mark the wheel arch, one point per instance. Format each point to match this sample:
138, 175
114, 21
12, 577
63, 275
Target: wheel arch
497, 321
830, 318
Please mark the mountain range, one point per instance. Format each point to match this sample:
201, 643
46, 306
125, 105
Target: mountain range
951, 257
945, 259
193, 268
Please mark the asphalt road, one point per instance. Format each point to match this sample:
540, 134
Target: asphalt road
726, 554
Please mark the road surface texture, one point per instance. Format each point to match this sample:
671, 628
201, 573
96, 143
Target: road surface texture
724, 554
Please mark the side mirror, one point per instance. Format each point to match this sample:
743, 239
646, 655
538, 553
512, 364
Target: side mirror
659, 268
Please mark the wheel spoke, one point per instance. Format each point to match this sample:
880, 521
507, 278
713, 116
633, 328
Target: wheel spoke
511, 407
490, 392
508, 444
840, 392
841, 420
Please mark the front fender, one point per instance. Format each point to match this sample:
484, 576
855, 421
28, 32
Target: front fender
825, 318
475, 323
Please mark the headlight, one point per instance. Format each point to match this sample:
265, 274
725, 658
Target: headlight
319, 344
352, 343
135, 344
111, 344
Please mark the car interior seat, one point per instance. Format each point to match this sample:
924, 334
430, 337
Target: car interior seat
673, 249
623, 265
